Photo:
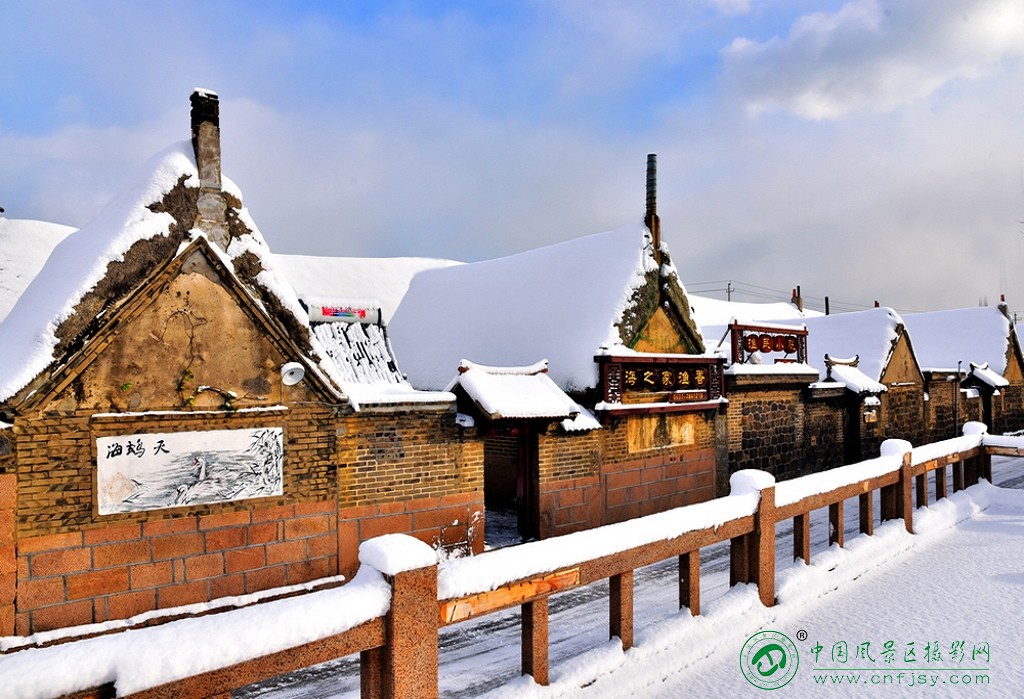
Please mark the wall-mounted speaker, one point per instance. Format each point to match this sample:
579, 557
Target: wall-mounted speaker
292, 373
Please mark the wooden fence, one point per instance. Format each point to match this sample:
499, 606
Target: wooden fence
399, 651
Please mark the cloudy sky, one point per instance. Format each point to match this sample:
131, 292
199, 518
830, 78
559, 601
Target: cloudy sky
865, 150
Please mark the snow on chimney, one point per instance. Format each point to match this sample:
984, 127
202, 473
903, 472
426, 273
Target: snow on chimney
651, 219
206, 145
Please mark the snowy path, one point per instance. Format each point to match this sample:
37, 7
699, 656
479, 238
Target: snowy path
482, 656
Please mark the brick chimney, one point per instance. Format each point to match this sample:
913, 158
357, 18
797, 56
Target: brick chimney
651, 219
206, 145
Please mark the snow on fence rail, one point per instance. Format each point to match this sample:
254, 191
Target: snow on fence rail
391, 612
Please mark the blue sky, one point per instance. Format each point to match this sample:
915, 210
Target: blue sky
863, 149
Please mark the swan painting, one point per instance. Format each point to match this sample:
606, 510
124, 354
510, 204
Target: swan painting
190, 468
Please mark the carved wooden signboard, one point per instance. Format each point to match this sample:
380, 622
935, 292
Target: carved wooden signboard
683, 382
785, 344
138, 472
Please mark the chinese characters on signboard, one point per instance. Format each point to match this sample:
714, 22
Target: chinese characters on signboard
661, 379
753, 340
152, 471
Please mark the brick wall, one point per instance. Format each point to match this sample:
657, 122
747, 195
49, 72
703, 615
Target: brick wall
118, 571
599, 477
412, 471
347, 477
939, 408
8, 554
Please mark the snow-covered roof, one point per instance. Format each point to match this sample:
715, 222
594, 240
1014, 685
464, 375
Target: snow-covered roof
514, 392
984, 374
942, 338
856, 380
28, 336
711, 314
24, 247
360, 351
78, 263
368, 369
381, 282
561, 302
868, 335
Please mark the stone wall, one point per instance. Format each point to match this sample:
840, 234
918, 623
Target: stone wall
903, 413
824, 432
765, 425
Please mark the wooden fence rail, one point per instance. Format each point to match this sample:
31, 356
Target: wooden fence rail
398, 651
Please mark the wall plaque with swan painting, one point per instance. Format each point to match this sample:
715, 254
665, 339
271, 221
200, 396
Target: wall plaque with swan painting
139, 472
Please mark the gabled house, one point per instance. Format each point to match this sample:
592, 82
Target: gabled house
975, 350
173, 429
608, 318
871, 354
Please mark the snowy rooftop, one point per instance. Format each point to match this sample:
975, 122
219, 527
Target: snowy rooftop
514, 392
24, 247
380, 281
714, 313
868, 335
561, 302
78, 263
942, 338
28, 336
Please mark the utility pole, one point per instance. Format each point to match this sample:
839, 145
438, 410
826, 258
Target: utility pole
728, 290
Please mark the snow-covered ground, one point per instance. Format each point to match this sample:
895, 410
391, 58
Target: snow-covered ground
958, 579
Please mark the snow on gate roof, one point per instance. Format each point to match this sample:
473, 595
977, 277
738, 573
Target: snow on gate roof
514, 392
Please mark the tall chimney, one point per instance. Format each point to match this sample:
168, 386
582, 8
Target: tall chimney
206, 146
651, 219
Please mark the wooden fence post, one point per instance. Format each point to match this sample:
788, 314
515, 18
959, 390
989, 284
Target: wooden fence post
408, 667
535, 640
620, 608
752, 556
689, 581
739, 560
763, 547
836, 524
906, 492
940, 483
866, 502
802, 537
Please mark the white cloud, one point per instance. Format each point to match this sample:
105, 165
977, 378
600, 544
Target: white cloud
731, 8
875, 56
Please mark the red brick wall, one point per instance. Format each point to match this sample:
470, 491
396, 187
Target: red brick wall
8, 559
450, 522
592, 478
348, 477
114, 572
570, 505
